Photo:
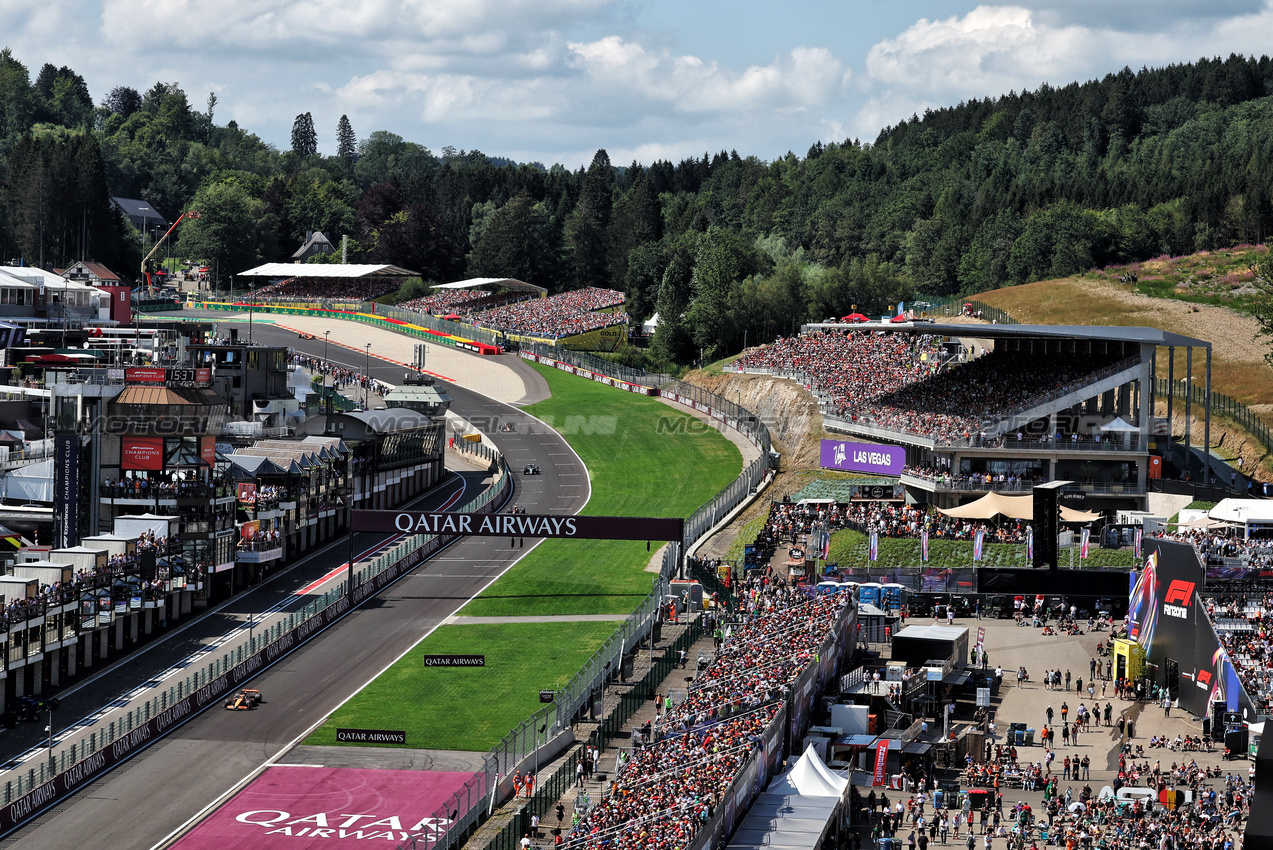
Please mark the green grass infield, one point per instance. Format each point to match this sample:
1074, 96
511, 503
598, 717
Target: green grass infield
468, 708
644, 458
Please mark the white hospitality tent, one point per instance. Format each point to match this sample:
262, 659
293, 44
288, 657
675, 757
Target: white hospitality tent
1251, 514
798, 810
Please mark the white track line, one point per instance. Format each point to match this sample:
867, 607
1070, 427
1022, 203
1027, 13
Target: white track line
216, 803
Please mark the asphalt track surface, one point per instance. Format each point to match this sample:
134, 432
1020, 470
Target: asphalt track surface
157, 791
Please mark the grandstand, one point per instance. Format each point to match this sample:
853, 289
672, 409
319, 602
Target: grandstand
997, 407
590, 318
310, 283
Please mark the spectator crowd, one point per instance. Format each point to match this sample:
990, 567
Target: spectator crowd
567, 314
461, 302
670, 787
899, 382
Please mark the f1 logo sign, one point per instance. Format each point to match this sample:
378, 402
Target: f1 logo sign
1204, 678
1178, 591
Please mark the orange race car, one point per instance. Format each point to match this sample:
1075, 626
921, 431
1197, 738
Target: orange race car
244, 700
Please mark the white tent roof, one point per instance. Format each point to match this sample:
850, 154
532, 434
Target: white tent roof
1119, 426
651, 324
506, 282
992, 504
1243, 511
810, 777
339, 270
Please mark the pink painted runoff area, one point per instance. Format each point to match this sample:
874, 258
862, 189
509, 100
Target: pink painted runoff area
291, 808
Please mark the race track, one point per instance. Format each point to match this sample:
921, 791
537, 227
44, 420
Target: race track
148, 797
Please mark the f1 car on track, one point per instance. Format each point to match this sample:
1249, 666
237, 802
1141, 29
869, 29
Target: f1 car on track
245, 700
31, 708
530, 469
304, 335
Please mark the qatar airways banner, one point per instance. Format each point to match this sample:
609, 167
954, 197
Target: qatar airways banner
863, 457
520, 525
297, 807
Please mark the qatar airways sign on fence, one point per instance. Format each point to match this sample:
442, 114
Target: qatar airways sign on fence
520, 525
863, 457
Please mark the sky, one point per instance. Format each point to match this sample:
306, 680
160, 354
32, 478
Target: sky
552, 81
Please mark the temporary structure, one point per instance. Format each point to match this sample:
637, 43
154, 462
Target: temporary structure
992, 505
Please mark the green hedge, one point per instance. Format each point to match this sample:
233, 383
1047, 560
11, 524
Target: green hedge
849, 549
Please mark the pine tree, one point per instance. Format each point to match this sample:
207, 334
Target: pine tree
304, 138
346, 141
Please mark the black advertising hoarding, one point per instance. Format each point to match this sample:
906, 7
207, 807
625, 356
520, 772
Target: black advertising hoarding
1167, 617
455, 661
66, 489
520, 525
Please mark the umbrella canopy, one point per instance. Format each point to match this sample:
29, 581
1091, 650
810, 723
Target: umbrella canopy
853, 318
993, 504
900, 317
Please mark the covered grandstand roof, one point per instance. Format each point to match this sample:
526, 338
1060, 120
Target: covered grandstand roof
333, 270
1098, 333
506, 282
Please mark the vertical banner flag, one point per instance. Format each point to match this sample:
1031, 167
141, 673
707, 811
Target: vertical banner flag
874, 553
1085, 541
881, 763
826, 544
1136, 549
978, 542
1029, 542
923, 545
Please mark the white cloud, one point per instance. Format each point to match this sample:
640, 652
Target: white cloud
992, 50
805, 77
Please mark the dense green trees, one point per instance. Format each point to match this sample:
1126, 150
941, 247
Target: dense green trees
724, 246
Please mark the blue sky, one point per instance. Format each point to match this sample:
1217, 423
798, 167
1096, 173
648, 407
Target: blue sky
553, 80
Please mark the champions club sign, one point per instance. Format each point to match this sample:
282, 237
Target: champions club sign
520, 525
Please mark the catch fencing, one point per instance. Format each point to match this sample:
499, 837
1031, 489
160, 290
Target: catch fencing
536, 731
68, 768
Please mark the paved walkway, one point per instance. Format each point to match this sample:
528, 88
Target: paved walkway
1011, 646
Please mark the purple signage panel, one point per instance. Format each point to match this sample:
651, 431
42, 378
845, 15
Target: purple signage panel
863, 457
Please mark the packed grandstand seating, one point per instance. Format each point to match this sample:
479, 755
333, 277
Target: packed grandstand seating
560, 316
460, 302
1245, 629
898, 382
1243, 624
669, 788
317, 289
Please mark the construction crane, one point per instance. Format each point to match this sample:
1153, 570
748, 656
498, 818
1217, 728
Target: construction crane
150, 289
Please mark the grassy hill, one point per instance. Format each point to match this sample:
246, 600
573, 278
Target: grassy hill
1200, 295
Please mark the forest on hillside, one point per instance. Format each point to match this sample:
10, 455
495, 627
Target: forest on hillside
1008, 189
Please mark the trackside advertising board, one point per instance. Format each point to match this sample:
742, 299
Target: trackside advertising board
863, 457
520, 525
299, 806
